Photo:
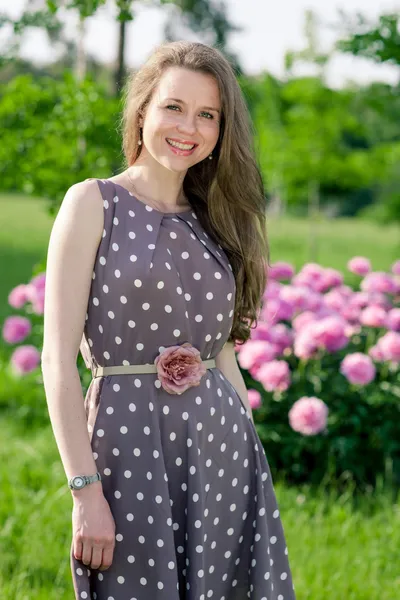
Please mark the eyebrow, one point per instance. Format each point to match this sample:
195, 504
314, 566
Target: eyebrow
182, 102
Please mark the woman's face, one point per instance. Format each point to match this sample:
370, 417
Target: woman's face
185, 109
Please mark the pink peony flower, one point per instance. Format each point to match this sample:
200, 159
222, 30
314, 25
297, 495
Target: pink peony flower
330, 333
281, 336
254, 398
301, 298
274, 375
276, 310
330, 278
254, 353
358, 368
179, 368
261, 332
273, 289
281, 270
359, 265
36, 296
373, 316
376, 353
378, 281
335, 300
305, 345
396, 267
389, 345
303, 319
351, 314
18, 296
25, 359
39, 281
308, 415
359, 299
16, 329
393, 319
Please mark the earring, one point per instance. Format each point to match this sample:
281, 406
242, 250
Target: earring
210, 156
140, 138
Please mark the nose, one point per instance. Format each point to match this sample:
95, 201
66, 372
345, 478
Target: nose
187, 125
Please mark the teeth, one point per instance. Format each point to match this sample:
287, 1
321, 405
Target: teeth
180, 146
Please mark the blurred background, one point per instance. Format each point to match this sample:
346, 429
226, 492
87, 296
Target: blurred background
322, 84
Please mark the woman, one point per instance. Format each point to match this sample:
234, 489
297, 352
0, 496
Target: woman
163, 270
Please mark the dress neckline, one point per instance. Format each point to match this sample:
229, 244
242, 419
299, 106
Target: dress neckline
182, 212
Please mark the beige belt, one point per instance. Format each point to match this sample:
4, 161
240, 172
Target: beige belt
136, 369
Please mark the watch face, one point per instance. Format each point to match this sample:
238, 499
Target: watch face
78, 482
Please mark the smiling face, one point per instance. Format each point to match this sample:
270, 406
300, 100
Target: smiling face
182, 121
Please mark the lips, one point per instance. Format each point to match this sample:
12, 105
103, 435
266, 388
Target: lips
181, 151
184, 142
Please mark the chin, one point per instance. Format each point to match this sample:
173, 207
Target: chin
176, 166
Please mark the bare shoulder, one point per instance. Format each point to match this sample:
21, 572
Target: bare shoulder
83, 203
88, 189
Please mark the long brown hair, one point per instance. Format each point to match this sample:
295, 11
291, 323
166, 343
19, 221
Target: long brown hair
227, 193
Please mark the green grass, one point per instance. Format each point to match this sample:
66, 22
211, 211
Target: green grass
340, 547
337, 549
24, 235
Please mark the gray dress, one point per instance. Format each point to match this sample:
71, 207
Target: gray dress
186, 476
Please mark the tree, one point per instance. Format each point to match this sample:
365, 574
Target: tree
379, 41
205, 16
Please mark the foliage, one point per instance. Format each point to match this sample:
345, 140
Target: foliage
66, 131
378, 41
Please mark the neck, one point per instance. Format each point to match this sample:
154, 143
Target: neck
158, 185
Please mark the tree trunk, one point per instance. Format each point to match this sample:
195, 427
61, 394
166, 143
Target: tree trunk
80, 72
120, 71
313, 214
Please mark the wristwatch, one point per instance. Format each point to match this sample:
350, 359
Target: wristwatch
79, 481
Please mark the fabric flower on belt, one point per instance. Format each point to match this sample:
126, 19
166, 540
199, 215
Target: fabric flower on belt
179, 368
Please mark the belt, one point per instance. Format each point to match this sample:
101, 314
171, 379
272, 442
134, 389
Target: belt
135, 369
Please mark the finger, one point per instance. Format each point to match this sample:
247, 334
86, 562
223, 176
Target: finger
78, 548
87, 553
107, 557
97, 557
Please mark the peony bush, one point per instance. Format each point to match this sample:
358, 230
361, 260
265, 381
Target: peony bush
322, 368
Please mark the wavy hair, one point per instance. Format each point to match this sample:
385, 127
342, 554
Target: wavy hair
227, 193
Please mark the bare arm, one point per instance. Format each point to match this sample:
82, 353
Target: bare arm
73, 244
227, 363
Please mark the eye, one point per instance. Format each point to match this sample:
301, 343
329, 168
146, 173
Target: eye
210, 116
172, 106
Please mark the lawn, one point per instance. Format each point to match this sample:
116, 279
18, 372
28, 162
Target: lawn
337, 550
340, 546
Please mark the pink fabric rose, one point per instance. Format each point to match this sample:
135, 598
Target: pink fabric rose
179, 368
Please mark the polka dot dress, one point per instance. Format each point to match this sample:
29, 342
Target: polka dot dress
186, 476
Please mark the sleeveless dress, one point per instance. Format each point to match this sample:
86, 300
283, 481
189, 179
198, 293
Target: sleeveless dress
186, 476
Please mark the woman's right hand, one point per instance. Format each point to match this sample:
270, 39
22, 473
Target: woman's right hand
93, 529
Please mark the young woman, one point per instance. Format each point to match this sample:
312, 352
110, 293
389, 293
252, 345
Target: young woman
162, 269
